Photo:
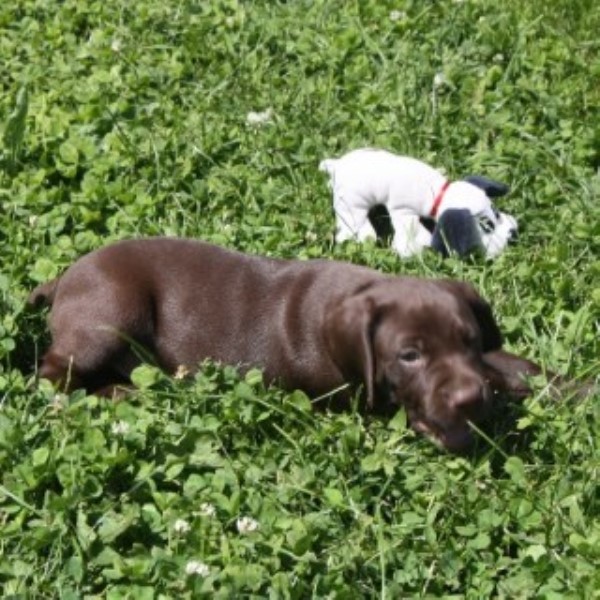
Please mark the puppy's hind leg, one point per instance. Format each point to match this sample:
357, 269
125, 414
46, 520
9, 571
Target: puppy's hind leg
96, 344
78, 359
59, 370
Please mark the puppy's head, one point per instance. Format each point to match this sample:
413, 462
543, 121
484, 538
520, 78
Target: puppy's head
496, 229
418, 344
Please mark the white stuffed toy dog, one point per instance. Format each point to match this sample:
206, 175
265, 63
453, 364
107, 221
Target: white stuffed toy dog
411, 191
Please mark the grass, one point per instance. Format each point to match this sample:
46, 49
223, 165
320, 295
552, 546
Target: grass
130, 119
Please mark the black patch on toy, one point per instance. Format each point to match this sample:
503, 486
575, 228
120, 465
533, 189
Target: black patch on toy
456, 232
382, 224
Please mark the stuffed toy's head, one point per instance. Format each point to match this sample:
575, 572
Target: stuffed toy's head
468, 222
460, 213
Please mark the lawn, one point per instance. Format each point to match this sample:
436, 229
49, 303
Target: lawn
208, 120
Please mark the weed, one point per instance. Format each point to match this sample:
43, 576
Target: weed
208, 120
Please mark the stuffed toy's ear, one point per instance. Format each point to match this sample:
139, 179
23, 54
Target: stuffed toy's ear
492, 189
457, 232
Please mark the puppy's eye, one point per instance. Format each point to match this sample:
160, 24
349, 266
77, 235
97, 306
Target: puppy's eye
410, 355
485, 224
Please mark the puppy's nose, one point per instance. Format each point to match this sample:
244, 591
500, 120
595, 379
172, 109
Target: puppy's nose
512, 236
467, 399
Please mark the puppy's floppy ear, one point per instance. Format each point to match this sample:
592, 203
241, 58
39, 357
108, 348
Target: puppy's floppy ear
507, 373
492, 189
491, 338
349, 337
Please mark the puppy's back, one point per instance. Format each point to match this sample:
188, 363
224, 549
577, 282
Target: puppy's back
185, 301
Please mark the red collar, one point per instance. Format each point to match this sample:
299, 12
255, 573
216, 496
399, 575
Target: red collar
438, 200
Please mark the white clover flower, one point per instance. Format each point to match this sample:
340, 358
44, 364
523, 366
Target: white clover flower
397, 15
33, 220
247, 525
58, 401
181, 526
207, 510
182, 372
439, 80
120, 428
197, 567
257, 119
116, 45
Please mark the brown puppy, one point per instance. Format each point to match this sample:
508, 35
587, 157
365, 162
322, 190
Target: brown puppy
430, 345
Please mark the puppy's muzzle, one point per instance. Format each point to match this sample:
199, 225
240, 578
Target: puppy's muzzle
468, 401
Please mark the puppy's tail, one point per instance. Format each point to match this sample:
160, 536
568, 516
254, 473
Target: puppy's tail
43, 295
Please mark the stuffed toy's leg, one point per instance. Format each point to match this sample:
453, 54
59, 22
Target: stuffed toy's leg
352, 218
410, 236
